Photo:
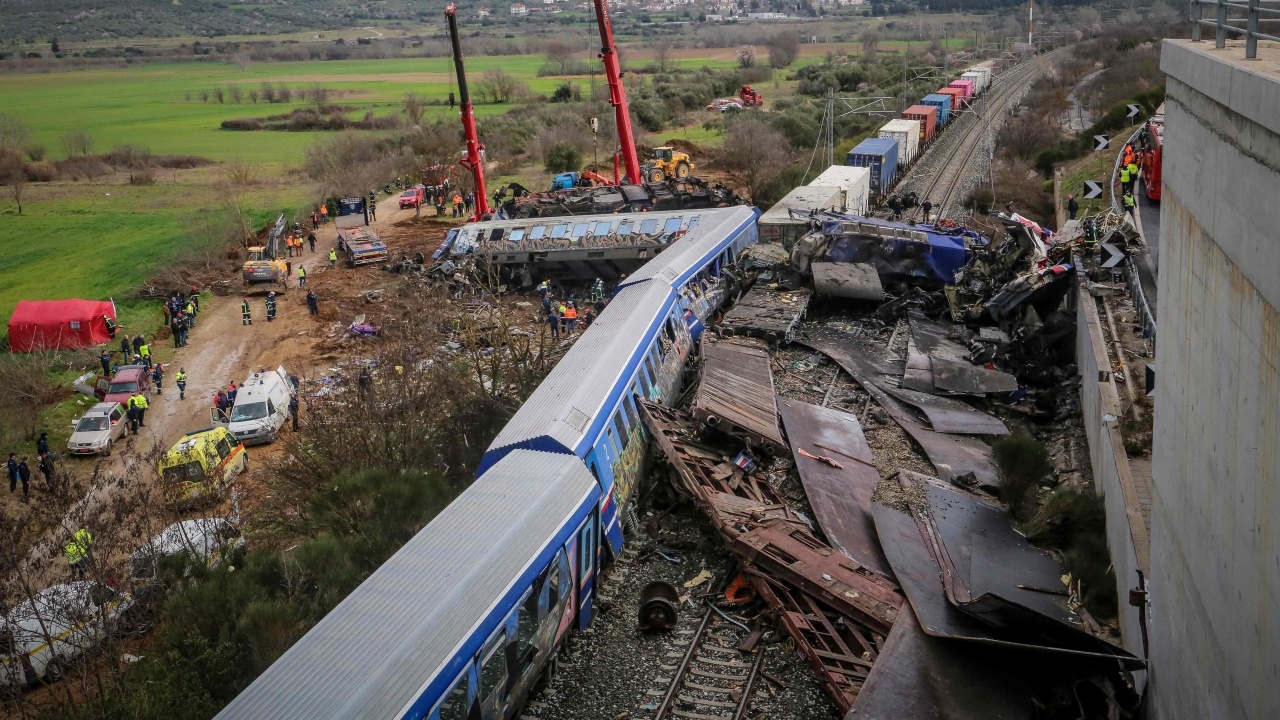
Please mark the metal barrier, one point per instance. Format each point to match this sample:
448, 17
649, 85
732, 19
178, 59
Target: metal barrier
1132, 279
1222, 24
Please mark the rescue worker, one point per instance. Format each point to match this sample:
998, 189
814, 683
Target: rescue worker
45, 466
333, 257
1129, 204
373, 206
597, 291
145, 352
12, 466
1133, 174
131, 409
293, 410
302, 275
324, 214
246, 315
554, 321
24, 474
313, 303
571, 318
181, 380
78, 551
1124, 178
927, 206
111, 326
1073, 206
311, 238
157, 377
105, 359
271, 306
124, 348
1090, 237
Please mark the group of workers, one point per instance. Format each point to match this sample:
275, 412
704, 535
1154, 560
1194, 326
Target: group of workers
564, 316
180, 312
20, 470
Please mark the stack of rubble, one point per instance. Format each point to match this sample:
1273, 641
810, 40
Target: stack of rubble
672, 194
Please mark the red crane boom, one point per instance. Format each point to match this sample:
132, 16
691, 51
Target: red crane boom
472, 161
618, 95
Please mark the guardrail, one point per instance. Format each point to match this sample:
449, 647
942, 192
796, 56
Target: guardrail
1222, 24
1132, 279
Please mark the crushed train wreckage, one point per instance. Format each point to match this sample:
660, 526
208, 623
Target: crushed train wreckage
687, 194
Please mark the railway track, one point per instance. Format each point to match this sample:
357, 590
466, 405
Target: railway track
946, 182
709, 677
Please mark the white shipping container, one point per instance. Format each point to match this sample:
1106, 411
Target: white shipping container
907, 133
780, 225
854, 183
979, 79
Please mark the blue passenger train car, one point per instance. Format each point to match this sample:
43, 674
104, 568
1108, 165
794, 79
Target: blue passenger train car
458, 624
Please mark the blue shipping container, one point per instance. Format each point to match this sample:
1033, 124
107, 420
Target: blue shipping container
880, 155
943, 103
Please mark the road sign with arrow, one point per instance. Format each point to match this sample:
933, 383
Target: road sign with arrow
1114, 255
1133, 111
1092, 189
1100, 142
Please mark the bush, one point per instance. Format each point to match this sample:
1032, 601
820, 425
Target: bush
1075, 522
35, 153
41, 171
562, 157
1024, 463
145, 176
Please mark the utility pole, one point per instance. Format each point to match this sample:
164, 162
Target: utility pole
1031, 22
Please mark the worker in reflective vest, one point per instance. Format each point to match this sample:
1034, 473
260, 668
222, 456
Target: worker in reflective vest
271, 306
1129, 204
1124, 178
181, 380
333, 257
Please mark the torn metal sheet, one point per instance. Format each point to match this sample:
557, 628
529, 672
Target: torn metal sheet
957, 458
840, 652
856, 281
948, 362
918, 373
950, 416
840, 497
926, 678
794, 554
736, 393
768, 313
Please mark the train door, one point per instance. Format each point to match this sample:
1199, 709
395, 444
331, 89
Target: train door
587, 557
460, 702
493, 675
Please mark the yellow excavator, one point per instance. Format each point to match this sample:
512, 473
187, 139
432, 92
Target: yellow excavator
667, 162
265, 264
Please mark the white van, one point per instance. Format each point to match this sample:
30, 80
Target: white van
41, 638
262, 407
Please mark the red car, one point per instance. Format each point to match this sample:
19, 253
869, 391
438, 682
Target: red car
413, 197
128, 380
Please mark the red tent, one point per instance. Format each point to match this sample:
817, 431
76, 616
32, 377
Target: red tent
59, 324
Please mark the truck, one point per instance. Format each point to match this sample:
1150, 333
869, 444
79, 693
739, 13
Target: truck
356, 239
265, 264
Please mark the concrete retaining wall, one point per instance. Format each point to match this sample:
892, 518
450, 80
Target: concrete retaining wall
1215, 545
1100, 409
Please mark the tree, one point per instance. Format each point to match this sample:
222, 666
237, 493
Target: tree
13, 132
560, 55
562, 157
500, 86
414, 109
13, 175
746, 56
77, 142
219, 96
755, 154
53, 46
662, 56
349, 164
783, 49
870, 42
237, 95
319, 95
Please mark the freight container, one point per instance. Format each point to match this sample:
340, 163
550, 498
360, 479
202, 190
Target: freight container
854, 182
907, 133
781, 225
927, 116
880, 156
943, 103
957, 98
964, 84
979, 80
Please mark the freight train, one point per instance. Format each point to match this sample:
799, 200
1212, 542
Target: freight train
901, 141
462, 620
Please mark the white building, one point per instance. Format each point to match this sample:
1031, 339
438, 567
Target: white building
519, 9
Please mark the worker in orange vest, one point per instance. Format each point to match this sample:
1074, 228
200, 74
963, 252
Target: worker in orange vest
571, 317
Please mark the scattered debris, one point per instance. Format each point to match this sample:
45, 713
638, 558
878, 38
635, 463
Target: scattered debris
767, 313
736, 394
856, 281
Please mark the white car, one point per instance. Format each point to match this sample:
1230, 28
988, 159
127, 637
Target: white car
42, 637
97, 430
261, 409
208, 540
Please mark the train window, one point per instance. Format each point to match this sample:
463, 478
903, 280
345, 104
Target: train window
493, 673
620, 428
526, 628
626, 228
644, 384
649, 226
673, 225
693, 221
588, 550
601, 228
496, 235
580, 229
538, 232
553, 585
454, 706
517, 235
629, 406
558, 231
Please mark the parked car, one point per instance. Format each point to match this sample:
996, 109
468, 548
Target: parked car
262, 407
128, 380
41, 638
201, 465
96, 431
208, 541
413, 197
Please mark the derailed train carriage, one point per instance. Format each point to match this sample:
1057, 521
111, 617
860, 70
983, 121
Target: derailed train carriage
461, 621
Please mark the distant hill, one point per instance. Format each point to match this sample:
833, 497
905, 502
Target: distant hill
39, 21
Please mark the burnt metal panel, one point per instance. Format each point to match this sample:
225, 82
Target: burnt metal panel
840, 497
767, 313
948, 366
956, 457
950, 416
926, 678
736, 394
856, 281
